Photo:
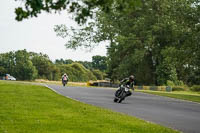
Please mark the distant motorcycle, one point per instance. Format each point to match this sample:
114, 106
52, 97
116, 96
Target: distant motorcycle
121, 93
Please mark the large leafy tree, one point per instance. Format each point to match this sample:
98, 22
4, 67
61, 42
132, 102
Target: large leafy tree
18, 64
82, 9
7, 63
24, 69
157, 41
46, 69
154, 40
2, 71
99, 62
163, 34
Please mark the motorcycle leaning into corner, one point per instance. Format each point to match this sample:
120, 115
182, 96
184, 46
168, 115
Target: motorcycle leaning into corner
122, 92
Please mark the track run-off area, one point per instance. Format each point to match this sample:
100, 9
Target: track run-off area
177, 114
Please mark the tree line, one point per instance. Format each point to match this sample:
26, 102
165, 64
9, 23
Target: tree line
157, 41
30, 66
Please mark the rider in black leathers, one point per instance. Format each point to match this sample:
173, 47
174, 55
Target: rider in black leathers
128, 82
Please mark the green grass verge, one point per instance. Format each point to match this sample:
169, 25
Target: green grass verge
84, 84
28, 108
184, 95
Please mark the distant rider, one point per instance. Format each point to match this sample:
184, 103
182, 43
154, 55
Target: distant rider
129, 82
65, 79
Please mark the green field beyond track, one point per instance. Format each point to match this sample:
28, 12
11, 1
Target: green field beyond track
184, 95
28, 108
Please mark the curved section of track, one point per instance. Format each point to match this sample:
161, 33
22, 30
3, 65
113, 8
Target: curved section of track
176, 114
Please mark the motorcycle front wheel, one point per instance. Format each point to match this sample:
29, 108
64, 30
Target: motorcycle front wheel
115, 100
122, 97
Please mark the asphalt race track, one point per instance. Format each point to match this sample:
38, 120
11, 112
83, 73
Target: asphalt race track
177, 114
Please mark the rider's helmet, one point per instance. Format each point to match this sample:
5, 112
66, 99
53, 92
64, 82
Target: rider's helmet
65, 74
131, 78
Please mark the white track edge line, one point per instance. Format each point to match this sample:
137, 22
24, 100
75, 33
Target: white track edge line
60, 93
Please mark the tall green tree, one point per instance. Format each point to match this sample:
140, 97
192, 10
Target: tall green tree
81, 9
99, 62
154, 40
2, 71
157, 41
7, 62
45, 67
24, 69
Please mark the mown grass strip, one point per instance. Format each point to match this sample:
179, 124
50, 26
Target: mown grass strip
190, 96
84, 84
28, 108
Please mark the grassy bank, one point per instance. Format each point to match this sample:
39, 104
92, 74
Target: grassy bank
35, 109
60, 82
184, 95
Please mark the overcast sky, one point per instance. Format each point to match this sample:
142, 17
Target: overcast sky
37, 34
